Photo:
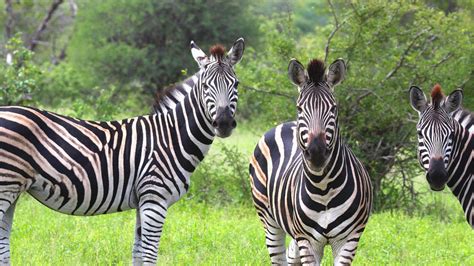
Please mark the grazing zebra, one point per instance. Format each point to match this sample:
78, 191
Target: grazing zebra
305, 181
446, 144
87, 168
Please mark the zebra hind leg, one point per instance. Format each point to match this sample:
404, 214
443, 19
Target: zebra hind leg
5, 231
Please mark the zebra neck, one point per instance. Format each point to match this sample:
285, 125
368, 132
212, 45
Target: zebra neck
461, 165
186, 131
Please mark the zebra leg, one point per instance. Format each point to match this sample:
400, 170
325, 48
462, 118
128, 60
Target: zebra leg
308, 254
293, 253
137, 245
152, 218
275, 241
344, 250
5, 230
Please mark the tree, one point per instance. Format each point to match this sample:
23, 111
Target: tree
147, 42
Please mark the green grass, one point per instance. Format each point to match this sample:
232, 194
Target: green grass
197, 234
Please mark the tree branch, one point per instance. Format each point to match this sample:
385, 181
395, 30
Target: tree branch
333, 32
9, 24
44, 24
403, 56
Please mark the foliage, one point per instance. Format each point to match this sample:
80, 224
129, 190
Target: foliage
148, 41
18, 79
222, 178
201, 234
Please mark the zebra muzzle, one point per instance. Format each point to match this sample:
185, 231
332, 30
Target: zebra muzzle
317, 152
437, 176
224, 122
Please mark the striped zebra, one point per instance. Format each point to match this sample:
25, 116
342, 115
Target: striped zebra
83, 167
305, 181
446, 144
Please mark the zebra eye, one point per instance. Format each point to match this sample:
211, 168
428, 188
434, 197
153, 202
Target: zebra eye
334, 109
419, 134
299, 109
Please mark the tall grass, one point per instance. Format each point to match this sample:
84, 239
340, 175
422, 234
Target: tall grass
199, 234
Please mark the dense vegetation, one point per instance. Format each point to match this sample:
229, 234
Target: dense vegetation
105, 59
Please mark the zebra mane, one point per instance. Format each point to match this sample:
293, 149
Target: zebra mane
170, 96
217, 51
316, 70
436, 95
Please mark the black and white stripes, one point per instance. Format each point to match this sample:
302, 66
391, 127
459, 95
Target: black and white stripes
305, 181
87, 168
446, 144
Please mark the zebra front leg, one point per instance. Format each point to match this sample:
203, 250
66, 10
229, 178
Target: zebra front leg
293, 253
137, 245
5, 231
310, 255
152, 217
275, 241
344, 251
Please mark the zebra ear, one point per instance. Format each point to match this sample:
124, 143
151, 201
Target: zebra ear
236, 52
336, 72
297, 73
200, 57
453, 101
417, 99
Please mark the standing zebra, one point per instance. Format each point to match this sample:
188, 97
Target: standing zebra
87, 168
305, 181
446, 144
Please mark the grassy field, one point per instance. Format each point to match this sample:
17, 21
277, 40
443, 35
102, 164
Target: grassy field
197, 234
200, 234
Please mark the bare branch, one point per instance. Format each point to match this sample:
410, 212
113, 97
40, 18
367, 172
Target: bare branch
9, 24
337, 26
403, 56
333, 11
44, 24
73, 7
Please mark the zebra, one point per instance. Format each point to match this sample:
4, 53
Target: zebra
305, 181
446, 144
80, 167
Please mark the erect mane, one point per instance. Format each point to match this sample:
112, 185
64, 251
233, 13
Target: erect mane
167, 98
217, 51
162, 94
316, 70
436, 95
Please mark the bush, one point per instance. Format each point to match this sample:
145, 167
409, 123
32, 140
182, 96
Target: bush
19, 76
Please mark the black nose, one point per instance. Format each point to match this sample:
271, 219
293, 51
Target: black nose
437, 175
224, 122
317, 151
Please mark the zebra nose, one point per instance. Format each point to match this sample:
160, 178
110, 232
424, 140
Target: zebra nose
437, 176
317, 152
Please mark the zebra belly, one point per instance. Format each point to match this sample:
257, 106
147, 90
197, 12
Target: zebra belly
64, 198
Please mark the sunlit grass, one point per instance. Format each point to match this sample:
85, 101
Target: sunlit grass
197, 234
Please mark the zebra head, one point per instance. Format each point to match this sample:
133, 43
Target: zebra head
317, 109
435, 132
218, 84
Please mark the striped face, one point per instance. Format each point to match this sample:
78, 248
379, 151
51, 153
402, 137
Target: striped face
317, 110
317, 119
435, 130
218, 85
